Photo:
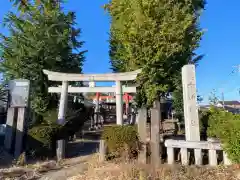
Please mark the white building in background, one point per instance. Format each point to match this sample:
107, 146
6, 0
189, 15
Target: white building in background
92, 84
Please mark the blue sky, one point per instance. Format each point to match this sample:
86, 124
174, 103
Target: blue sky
220, 44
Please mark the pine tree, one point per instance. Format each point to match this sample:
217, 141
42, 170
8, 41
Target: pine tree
42, 37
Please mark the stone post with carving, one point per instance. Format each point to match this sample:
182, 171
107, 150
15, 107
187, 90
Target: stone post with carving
190, 103
191, 118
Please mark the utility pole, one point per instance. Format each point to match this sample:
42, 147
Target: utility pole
239, 72
223, 103
238, 67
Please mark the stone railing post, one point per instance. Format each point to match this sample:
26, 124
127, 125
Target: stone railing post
156, 153
142, 131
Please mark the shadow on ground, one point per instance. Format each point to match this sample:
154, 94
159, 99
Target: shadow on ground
86, 144
81, 148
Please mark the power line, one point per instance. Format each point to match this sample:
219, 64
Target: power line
221, 89
221, 84
232, 72
238, 89
238, 67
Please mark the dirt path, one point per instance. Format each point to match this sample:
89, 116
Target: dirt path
79, 153
72, 167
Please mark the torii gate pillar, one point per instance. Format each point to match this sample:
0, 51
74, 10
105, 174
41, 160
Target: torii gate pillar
119, 103
61, 118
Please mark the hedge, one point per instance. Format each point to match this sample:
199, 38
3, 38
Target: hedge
121, 140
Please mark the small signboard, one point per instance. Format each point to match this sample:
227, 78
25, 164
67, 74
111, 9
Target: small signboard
19, 92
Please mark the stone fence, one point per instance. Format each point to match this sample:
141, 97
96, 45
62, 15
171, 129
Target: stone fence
211, 146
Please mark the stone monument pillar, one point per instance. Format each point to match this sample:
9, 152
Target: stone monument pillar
191, 118
190, 103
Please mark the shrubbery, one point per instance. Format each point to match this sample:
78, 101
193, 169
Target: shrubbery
218, 121
121, 140
226, 126
42, 135
41, 141
203, 122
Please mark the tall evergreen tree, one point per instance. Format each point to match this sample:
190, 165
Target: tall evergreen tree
23, 5
42, 37
157, 36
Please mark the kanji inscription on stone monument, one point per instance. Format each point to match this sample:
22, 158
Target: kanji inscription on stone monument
190, 103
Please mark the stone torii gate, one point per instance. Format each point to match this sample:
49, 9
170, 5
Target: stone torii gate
65, 78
